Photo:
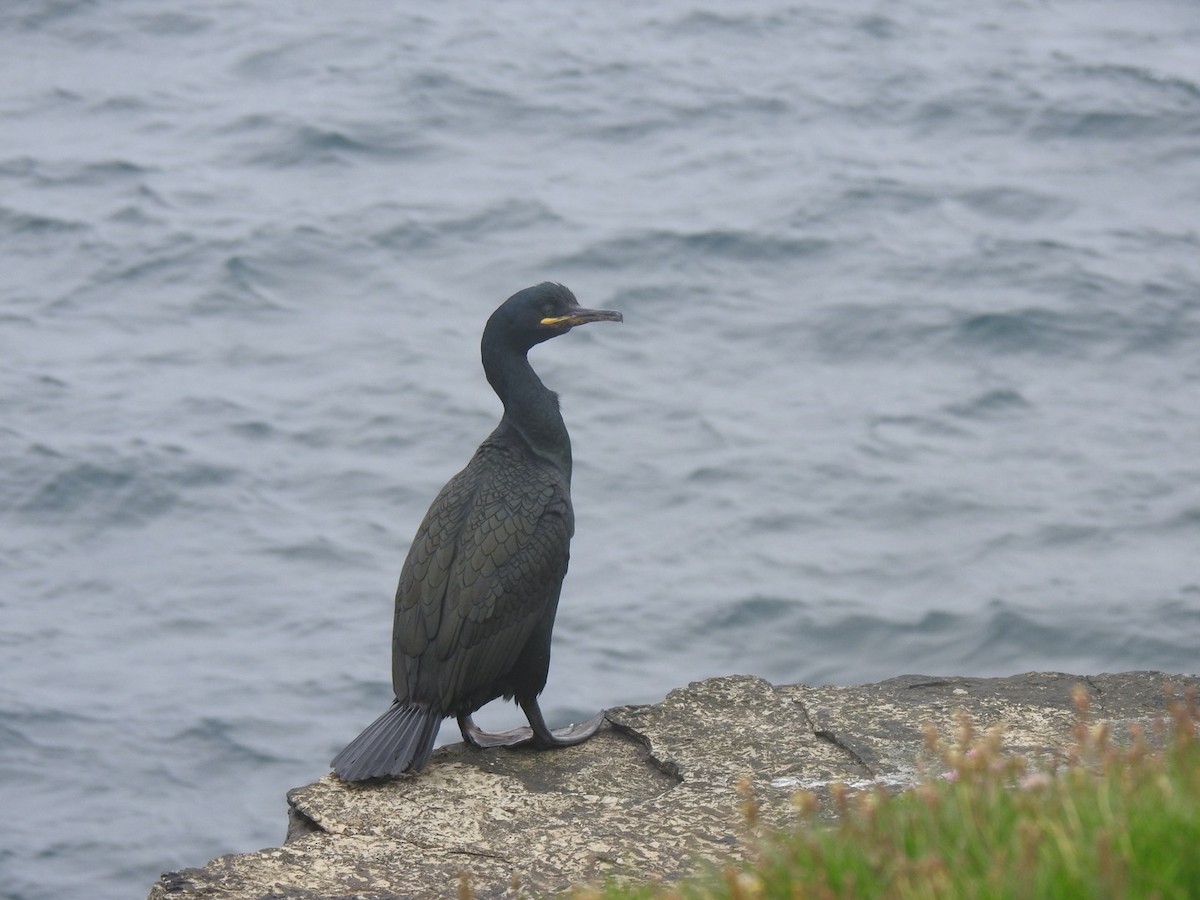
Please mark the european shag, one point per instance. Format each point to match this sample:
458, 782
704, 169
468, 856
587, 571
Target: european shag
478, 592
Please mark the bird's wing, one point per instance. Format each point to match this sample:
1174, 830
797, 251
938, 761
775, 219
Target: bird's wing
487, 562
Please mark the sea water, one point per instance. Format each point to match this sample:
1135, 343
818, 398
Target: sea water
909, 378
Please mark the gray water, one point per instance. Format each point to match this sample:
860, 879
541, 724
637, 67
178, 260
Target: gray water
909, 379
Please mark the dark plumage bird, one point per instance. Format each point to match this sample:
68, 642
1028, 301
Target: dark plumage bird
478, 593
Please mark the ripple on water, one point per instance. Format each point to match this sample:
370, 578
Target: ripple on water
907, 381
106, 488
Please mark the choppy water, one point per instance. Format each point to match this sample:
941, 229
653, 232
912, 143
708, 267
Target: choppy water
909, 378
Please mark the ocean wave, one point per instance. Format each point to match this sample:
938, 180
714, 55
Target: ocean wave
705, 249
107, 489
16, 224
998, 403
1041, 331
431, 233
1109, 124
1016, 204
218, 742
279, 142
810, 642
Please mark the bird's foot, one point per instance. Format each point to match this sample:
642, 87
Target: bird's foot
537, 736
477, 737
571, 735
562, 737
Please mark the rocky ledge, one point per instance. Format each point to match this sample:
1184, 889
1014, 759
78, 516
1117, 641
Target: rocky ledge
658, 791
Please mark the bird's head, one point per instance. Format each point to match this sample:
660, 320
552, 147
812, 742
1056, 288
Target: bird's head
539, 313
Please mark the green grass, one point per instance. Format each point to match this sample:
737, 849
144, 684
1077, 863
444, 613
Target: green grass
1108, 821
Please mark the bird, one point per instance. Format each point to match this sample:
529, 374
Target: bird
480, 586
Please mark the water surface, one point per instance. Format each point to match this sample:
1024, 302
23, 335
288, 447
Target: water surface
909, 379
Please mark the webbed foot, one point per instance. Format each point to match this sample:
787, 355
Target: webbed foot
536, 734
569, 736
477, 737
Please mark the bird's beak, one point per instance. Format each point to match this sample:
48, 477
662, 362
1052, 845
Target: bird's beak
583, 316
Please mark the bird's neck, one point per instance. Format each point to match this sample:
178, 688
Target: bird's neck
530, 408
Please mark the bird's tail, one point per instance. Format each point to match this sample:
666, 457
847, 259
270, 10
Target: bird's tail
398, 741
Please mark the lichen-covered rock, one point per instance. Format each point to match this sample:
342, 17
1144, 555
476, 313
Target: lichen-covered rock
659, 790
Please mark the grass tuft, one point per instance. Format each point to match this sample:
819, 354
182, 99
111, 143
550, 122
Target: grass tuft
1107, 820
